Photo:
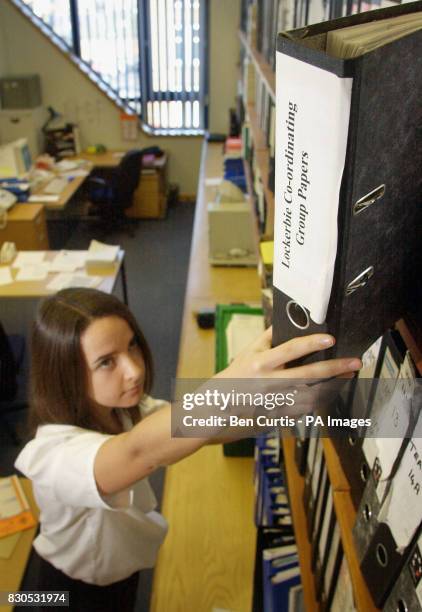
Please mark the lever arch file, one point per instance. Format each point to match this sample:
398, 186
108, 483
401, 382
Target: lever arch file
348, 184
407, 592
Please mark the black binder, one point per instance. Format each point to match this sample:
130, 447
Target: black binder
406, 593
378, 256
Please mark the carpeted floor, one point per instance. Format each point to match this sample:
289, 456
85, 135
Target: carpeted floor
156, 267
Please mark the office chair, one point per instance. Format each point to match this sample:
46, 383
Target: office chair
12, 380
111, 198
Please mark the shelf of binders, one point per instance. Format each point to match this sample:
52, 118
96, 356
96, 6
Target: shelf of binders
259, 139
295, 483
265, 71
262, 157
250, 194
345, 513
346, 516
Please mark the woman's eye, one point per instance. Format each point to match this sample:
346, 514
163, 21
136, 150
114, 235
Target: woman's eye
106, 363
133, 345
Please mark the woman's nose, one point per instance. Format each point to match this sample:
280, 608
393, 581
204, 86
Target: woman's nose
133, 368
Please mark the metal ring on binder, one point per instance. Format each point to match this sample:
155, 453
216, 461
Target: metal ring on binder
367, 512
364, 472
360, 281
368, 199
382, 555
296, 315
402, 605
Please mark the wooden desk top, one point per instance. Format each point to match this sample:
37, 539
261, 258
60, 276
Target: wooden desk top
12, 570
112, 158
109, 159
34, 289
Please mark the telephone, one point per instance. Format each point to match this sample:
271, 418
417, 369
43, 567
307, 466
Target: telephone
7, 199
7, 252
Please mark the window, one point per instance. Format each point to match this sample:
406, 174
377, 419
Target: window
173, 63
152, 53
56, 15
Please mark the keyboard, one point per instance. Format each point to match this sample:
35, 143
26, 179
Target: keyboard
55, 186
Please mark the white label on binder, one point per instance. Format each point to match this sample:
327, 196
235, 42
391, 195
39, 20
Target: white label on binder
312, 120
404, 498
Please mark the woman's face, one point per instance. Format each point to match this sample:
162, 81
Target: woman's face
116, 369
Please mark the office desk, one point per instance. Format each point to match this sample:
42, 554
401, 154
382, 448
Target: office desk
12, 570
68, 192
19, 300
34, 289
109, 159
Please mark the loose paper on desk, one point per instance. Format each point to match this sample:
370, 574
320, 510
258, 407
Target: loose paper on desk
75, 173
65, 165
66, 280
99, 252
5, 275
44, 197
313, 107
38, 272
28, 258
68, 261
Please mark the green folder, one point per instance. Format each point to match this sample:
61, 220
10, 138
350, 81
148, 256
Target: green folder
223, 314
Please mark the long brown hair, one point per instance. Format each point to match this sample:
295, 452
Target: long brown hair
59, 380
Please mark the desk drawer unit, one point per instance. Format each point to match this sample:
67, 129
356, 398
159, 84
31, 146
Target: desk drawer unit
149, 199
26, 227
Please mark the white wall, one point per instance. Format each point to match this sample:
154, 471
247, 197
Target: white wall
223, 61
3, 48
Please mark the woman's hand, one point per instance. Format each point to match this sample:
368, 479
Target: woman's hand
259, 360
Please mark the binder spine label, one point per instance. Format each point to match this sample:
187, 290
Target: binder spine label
313, 108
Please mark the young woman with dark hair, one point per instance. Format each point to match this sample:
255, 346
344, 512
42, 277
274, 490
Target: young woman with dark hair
98, 435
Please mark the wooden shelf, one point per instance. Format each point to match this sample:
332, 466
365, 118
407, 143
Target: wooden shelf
295, 484
411, 344
258, 136
263, 161
252, 203
336, 474
346, 516
261, 65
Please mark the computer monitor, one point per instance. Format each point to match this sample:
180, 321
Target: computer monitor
15, 158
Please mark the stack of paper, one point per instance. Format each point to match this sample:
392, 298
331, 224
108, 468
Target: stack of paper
100, 254
31, 266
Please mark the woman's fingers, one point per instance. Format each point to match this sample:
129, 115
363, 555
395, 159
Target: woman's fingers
326, 369
296, 348
263, 342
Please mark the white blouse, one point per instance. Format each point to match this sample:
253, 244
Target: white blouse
89, 537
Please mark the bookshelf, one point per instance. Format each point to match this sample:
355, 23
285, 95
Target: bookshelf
260, 63
257, 92
295, 483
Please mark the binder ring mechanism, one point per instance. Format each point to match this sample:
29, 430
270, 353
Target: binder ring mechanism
297, 315
360, 281
368, 199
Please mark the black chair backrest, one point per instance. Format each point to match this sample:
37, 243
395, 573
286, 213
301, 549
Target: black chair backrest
126, 178
8, 369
